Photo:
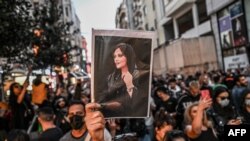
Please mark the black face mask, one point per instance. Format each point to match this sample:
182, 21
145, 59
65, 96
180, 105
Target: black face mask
76, 122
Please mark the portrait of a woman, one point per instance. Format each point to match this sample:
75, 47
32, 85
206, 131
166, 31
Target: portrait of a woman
122, 84
121, 72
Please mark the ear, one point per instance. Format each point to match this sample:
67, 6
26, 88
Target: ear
39, 119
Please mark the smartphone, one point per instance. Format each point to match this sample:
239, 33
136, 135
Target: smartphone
205, 94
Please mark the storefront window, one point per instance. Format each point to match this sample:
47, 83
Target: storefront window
233, 36
232, 26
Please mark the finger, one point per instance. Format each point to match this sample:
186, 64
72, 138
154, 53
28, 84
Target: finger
90, 107
95, 127
96, 114
96, 121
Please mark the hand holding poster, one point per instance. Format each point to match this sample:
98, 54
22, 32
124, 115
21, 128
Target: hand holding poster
122, 72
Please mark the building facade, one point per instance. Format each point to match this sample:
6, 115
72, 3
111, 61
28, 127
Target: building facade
231, 27
69, 15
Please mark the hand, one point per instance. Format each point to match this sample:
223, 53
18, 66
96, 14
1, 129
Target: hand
234, 122
204, 103
128, 80
94, 121
25, 84
112, 125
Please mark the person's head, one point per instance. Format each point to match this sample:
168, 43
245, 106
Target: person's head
76, 113
37, 80
176, 135
204, 79
17, 135
194, 88
15, 89
60, 102
46, 115
172, 83
163, 124
217, 78
245, 100
85, 98
241, 80
124, 56
162, 93
191, 112
221, 96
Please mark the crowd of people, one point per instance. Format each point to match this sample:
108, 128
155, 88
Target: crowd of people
184, 108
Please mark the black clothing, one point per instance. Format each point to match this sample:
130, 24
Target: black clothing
246, 116
206, 136
183, 102
168, 105
53, 134
117, 92
22, 113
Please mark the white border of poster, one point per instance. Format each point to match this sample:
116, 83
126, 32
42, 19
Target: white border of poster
110, 86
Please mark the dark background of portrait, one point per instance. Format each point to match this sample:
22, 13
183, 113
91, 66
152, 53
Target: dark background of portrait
104, 63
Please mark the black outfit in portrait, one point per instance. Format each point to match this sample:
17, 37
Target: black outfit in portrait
117, 92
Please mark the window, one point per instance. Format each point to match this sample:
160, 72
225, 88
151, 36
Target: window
146, 27
145, 10
185, 22
202, 11
67, 11
155, 24
153, 4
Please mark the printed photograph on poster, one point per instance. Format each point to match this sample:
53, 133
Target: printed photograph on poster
239, 31
226, 39
238, 24
121, 72
225, 31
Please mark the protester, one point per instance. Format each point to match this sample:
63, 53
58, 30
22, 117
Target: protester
86, 124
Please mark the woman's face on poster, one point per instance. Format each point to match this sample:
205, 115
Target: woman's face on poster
119, 59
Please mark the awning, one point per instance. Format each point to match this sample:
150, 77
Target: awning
79, 75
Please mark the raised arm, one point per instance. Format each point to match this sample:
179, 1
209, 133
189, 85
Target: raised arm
25, 85
194, 130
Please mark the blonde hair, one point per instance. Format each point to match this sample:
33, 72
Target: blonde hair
188, 119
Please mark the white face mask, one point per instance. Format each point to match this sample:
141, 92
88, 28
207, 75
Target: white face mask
247, 102
224, 102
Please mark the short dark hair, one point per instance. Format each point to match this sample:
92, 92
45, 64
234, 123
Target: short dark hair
237, 78
162, 89
172, 80
162, 117
170, 136
76, 102
46, 113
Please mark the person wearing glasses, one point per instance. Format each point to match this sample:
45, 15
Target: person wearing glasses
223, 111
87, 123
19, 105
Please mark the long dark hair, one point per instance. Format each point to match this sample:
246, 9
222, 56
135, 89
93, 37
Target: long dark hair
129, 53
13, 97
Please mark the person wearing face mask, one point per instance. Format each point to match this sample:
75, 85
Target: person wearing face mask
245, 106
223, 111
81, 129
